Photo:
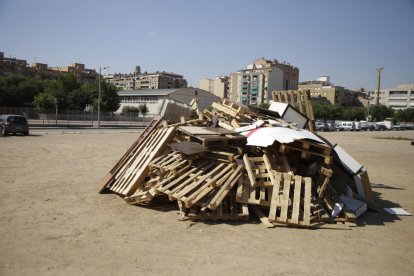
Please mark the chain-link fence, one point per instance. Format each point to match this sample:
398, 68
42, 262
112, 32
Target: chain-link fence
77, 118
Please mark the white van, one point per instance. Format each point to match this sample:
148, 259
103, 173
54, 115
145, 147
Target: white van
350, 125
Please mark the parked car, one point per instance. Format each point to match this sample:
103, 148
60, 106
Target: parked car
331, 127
324, 126
380, 127
339, 127
13, 124
368, 126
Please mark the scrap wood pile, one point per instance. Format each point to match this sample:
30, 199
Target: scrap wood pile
225, 163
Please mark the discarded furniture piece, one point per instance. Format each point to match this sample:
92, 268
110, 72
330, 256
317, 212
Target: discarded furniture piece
235, 160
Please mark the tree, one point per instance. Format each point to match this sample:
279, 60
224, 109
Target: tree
143, 109
127, 110
110, 100
322, 110
380, 112
17, 90
44, 101
405, 115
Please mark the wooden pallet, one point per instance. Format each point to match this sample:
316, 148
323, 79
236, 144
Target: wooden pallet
169, 163
230, 108
227, 210
136, 168
217, 198
299, 99
309, 150
291, 200
185, 176
253, 195
196, 191
210, 137
109, 178
258, 170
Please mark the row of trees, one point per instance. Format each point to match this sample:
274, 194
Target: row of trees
135, 111
327, 111
65, 91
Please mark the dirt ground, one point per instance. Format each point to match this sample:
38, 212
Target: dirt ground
54, 222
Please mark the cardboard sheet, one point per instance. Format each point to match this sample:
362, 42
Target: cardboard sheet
397, 211
266, 136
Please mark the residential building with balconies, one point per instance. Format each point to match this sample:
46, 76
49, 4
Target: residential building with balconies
323, 88
138, 80
400, 97
254, 85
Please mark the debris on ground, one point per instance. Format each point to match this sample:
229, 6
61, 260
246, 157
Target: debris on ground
223, 164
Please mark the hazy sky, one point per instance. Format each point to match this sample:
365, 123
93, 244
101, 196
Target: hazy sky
345, 39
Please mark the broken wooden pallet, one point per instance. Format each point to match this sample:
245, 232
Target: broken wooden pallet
299, 99
196, 191
308, 150
135, 169
227, 210
291, 200
253, 195
108, 179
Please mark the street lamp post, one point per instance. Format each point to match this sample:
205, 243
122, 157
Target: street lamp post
99, 95
56, 109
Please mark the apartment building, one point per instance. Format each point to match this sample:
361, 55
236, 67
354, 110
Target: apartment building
217, 86
255, 84
400, 97
323, 88
38, 70
138, 80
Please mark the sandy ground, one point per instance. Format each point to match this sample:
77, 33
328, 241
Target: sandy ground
53, 221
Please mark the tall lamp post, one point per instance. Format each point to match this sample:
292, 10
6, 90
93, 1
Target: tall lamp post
99, 95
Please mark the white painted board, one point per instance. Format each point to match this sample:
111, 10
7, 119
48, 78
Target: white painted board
266, 136
397, 211
350, 163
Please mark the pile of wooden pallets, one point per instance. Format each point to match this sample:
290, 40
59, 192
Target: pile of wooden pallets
211, 167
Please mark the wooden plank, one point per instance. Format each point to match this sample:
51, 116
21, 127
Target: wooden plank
292, 98
299, 102
296, 199
285, 198
259, 213
369, 195
225, 188
307, 201
229, 111
275, 201
249, 170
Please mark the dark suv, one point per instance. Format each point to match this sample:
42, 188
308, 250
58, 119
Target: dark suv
13, 124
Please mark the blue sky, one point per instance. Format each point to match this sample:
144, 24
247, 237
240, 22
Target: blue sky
347, 40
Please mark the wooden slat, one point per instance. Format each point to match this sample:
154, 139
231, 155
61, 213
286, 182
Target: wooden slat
285, 198
249, 170
296, 199
307, 201
259, 213
275, 201
225, 188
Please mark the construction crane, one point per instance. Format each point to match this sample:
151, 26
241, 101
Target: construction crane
379, 70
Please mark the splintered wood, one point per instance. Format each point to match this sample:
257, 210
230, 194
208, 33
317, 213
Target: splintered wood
204, 165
